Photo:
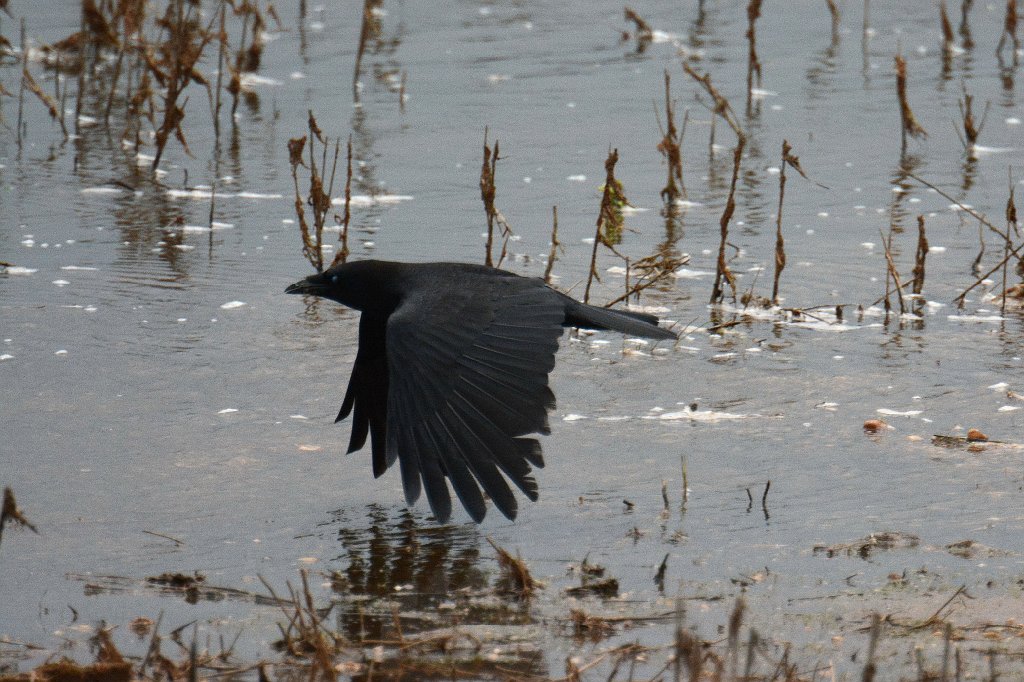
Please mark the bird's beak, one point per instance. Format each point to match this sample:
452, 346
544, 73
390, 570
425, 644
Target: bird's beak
313, 285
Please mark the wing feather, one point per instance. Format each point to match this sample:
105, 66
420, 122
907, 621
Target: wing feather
366, 396
433, 475
507, 453
455, 467
467, 375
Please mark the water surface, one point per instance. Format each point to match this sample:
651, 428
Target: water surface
157, 379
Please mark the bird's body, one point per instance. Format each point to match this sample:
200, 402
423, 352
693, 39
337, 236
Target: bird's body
452, 372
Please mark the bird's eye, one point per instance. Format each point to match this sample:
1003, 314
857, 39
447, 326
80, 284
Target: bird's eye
334, 279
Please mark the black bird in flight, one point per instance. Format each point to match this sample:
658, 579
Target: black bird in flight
452, 372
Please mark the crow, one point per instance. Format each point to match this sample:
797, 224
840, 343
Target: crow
452, 372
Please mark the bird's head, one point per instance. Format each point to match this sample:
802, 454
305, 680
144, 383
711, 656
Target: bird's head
319, 284
359, 284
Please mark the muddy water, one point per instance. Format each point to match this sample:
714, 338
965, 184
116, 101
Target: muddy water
158, 383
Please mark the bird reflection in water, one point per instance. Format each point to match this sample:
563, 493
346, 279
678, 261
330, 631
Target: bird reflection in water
400, 575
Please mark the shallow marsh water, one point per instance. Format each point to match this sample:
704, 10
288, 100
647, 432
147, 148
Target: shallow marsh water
157, 379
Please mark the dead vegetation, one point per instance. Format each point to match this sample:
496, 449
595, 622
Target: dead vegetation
608, 231
370, 30
865, 547
1011, 253
321, 187
722, 109
643, 31
593, 582
504, 642
971, 127
495, 219
788, 159
516, 580
11, 514
142, 65
1009, 34
753, 61
908, 122
670, 147
555, 246
138, 69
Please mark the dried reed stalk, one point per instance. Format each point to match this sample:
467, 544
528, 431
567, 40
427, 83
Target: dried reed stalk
921, 253
722, 109
605, 214
971, 127
651, 269
555, 245
487, 193
1009, 31
947, 27
671, 147
21, 87
919, 257
319, 197
515, 572
788, 159
909, 124
215, 104
833, 10
370, 28
753, 63
49, 102
892, 273
983, 222
1011, 226
307, 635
965, 24
175, 68
346, 217
644, 32
296, 148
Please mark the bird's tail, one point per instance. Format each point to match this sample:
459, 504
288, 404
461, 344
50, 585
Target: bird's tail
626, 321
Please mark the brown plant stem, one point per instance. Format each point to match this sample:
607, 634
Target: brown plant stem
487, 194
553, 254
753, 62
722, 109
919, 257
603, 213
909, 124
892, 273
346, 217
671, 148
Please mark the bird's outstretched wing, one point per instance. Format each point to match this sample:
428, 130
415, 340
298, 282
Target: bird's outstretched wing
368, 390
467, 377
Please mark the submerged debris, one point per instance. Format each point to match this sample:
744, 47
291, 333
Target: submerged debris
865, 547
179, 580
974, 441
969, 549
10, 513
976, 435
593, 581
594, 628
515, 575
875, 425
